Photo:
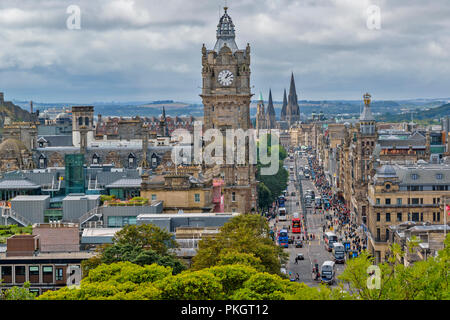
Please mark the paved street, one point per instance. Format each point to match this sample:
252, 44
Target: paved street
314, 250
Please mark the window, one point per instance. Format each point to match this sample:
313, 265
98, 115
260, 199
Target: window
80, 121
378, 216
119, 222
388, 217
388, 186
47, 274
95, 159
86, 121
399, 201
41, 162
421, 216
415, 201
387, 234
414, 176
131, 160
415, 216
197, 197
233, 196
20, 270
388, 201
47, 270
34, 291
33, 271
399, 216
6, 272
378, 234
438, 216
378, 201
439, 176
59, 274
153, 197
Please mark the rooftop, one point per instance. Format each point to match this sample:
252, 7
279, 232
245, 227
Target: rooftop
31, 198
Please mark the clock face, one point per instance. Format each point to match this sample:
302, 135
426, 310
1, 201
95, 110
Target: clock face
225, 77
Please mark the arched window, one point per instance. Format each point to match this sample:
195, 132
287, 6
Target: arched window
86, 121
80, 121
42, 162
154, 161
95, 159
131, 160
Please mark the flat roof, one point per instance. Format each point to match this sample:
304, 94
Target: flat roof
79, 197
18, 184
52, 255
100, 232
31, 198
185, 215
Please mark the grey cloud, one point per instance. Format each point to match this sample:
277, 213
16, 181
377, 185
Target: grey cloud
152, 49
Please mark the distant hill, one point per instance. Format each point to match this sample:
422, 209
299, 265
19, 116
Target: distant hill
429, 114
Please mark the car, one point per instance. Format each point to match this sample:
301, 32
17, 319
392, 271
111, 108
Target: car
290, 241
299, 244
300, 256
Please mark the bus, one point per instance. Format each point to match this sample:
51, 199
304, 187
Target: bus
339, 252
281, 201
283, 238
296, 224
328, 272
318, 201
282, 214
329, 239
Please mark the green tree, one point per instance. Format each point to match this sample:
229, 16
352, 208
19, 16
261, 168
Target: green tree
142, 245
247, 234
18, 293
264, 196
146, 236
423, 280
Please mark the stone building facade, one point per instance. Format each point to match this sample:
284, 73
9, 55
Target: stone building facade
399, 194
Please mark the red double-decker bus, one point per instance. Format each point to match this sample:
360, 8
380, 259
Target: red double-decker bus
296, 225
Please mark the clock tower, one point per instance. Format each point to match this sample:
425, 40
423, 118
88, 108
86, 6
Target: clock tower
226, 81
226, 96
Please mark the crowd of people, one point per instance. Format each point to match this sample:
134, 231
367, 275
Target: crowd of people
338, 215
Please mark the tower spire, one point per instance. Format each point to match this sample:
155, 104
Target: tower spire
293, 109
284, 107
226, 33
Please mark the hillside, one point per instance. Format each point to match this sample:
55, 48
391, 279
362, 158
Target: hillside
15, 113
430, 114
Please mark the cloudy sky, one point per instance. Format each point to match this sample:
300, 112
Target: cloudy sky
151, 49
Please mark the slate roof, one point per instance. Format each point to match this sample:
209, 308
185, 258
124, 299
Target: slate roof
17, 184
58, 140
125, 183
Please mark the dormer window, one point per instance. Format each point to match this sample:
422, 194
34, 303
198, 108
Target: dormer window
41, 162
131, 160
95, 159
